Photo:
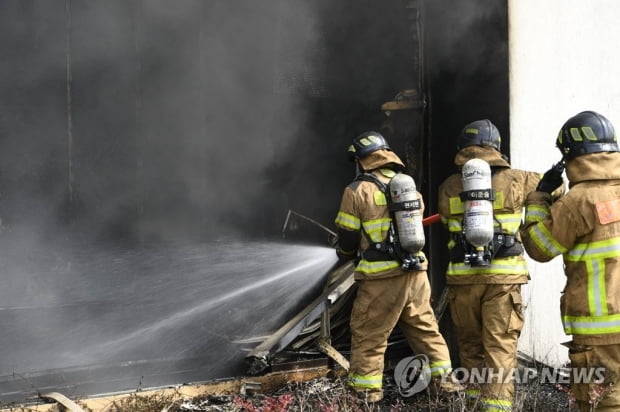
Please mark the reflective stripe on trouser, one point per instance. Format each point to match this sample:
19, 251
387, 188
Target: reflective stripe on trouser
472, 393
440, 368
486, 404
365, 381
379, 306
495, 405
585, 377
492, 345
472, 396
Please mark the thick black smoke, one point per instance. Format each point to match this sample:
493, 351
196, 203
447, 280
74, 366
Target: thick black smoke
142, 120
466, 59
148, 121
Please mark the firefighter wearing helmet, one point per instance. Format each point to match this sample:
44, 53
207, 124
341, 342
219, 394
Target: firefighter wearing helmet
584, 227
379, 225
481, 206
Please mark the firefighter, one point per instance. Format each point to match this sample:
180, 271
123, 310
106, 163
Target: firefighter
485, 293
391, 289
584, 226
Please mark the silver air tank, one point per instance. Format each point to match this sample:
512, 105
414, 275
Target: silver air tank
478, 217
407, 213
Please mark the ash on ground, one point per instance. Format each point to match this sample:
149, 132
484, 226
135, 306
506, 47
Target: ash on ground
331, 394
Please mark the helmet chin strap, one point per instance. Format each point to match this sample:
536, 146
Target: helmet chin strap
358, 168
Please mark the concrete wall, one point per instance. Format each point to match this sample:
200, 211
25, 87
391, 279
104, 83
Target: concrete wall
563, 60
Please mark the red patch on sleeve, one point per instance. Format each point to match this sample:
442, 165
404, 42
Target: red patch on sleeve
608, 211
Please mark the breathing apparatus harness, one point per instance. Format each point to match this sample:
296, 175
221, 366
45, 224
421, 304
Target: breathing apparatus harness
390, 248
500, 245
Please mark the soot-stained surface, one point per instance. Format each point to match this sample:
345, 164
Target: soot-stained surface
85, 319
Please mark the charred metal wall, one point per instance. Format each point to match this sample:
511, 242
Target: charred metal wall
141, 120
146, 120
466, 77
137, 120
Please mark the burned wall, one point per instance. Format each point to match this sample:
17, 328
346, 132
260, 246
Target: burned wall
137, 120
466, 78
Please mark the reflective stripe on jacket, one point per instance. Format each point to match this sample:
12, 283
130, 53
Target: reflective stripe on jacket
584, 227
511, 187
364, 208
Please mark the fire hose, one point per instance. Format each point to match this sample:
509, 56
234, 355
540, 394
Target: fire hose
427, 221
342, 280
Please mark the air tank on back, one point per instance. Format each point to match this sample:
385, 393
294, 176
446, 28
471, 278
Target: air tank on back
478, 216
407, 212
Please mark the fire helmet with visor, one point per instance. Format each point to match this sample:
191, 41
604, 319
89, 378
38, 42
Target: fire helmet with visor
372, 150
479, 133
367, 143
586, 132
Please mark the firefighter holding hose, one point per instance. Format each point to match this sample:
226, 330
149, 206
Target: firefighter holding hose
481, 206
584, 227
380, 225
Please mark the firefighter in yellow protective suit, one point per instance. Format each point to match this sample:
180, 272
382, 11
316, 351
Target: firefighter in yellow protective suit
485, 301
584, 227
387, 294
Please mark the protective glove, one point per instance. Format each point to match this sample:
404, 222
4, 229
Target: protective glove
552, 179
347, 244
344, 256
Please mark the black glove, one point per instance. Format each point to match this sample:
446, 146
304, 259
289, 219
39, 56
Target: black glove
552, 179
344, 257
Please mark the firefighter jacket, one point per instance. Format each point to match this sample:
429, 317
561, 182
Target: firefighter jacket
363, 216
584, 227
508, 266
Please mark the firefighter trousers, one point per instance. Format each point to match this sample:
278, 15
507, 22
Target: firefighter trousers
379, 306
595, 376
488, 320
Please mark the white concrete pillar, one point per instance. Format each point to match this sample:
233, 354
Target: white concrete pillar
564, 58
